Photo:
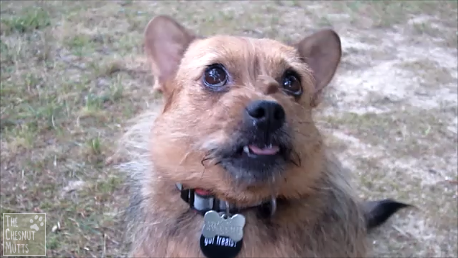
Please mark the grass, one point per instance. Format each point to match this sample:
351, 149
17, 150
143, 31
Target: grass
72, 74
27, 20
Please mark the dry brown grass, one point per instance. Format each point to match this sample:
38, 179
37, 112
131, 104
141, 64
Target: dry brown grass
72, 74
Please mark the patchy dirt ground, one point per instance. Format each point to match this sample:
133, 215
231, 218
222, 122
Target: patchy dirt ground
72, 73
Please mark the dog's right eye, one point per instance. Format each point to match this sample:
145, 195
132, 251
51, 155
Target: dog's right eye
215, 76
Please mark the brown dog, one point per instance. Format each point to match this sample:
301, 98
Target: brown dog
236, 136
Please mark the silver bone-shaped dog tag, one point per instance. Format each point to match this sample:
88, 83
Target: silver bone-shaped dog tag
217, 224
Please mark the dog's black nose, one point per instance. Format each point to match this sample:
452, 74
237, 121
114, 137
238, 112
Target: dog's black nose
266, 115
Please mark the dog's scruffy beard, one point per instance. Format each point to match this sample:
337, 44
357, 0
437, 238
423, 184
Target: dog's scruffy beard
246, 168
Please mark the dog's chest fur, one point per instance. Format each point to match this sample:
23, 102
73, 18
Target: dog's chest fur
175, 231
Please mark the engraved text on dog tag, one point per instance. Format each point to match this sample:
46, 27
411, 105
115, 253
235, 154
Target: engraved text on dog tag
222, 236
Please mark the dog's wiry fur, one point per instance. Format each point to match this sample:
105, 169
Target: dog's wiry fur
320, 216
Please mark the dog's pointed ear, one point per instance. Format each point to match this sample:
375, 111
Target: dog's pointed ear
322, 52
165, 43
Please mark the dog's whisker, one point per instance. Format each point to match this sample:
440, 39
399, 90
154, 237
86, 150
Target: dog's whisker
209, 159
305, 122
204, 160
202, 174
301, 133
294, 162
184, 157
298, 163
216, 162
304, 137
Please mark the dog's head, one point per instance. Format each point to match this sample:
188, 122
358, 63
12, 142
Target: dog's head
237, 118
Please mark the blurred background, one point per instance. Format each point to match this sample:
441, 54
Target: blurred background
74, 72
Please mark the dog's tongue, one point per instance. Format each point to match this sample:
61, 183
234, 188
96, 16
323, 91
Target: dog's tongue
271, 150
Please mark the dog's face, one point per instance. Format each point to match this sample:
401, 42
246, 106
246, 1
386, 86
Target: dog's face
237, 117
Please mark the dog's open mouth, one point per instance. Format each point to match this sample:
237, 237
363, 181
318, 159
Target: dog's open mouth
254, 151
253, 162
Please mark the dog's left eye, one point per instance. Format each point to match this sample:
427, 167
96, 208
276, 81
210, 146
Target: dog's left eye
291, 83
215, 76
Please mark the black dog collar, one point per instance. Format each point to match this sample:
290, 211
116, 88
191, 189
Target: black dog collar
203, 203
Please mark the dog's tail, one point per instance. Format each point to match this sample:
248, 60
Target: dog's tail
378, 212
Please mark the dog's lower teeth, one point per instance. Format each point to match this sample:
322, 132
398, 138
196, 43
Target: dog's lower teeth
246, 149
